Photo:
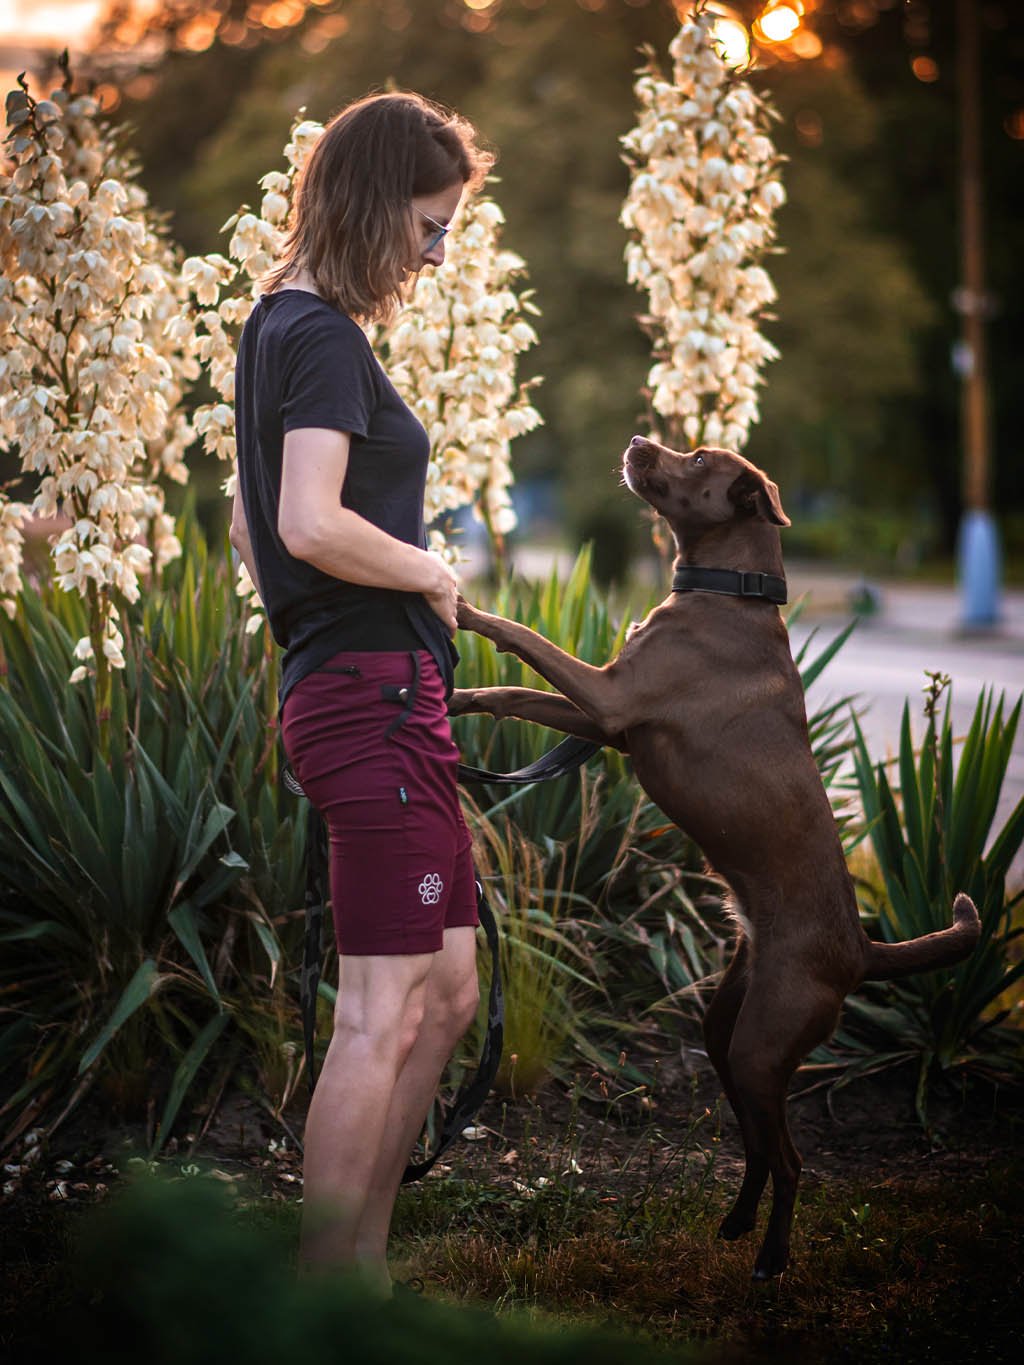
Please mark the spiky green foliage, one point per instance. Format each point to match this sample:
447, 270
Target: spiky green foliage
136, 893
150, 907
931, 827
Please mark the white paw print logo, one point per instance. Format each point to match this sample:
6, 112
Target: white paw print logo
430, 888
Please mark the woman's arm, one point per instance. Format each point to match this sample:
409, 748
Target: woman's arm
316, 528
239, 537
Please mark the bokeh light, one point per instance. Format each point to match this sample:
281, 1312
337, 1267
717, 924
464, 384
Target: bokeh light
806, 44
29, 21
809, 128
925, 68
779, 21
729, 32
733, 41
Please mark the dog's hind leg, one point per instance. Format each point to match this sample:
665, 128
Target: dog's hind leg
719, 1022
783, 1016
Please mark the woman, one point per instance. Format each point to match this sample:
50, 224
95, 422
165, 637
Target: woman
328, 518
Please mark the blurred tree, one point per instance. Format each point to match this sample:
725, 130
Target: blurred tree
380, 45
865, 320
904, 55
558, 97
850, 312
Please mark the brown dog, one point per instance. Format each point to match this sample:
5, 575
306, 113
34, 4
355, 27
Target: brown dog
706, 699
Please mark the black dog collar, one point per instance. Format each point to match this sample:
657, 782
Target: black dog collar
732, 582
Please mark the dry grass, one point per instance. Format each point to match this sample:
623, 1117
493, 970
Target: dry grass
927, 1264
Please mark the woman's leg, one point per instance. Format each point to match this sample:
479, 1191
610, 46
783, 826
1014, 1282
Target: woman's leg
380, 1009
450, 1007
398, 844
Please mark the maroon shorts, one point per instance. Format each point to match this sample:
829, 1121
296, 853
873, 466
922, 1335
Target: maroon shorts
369, 739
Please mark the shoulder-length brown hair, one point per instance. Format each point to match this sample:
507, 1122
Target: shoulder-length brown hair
350, 224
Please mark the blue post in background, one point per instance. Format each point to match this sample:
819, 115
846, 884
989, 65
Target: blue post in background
978, 559
978, 568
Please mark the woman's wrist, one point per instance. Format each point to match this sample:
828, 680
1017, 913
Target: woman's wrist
438, 576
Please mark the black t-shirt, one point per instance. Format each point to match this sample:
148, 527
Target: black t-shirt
301, 363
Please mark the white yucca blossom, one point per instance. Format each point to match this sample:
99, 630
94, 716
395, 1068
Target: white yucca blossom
451, 351
701, 203
13, 516
92, 368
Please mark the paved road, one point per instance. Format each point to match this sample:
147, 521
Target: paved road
883, 663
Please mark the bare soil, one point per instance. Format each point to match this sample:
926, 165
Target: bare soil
866, 1130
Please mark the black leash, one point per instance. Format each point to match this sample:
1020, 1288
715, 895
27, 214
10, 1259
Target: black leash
562, 759
474, 1091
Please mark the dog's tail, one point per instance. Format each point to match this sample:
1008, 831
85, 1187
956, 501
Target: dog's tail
887, 961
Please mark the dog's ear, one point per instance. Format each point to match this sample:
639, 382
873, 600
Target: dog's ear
755, 494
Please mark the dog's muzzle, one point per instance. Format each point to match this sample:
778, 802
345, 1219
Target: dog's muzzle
639, 462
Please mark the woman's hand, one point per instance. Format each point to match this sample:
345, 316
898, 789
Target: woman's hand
443, 596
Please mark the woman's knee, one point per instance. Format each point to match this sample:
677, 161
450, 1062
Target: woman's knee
453, 1012
381, 1019
468, 1003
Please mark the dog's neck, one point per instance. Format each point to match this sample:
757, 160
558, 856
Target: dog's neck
753, 546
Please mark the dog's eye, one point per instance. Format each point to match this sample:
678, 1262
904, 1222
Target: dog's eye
698, 459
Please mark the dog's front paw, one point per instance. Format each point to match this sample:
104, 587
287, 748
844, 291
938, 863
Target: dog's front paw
467, 616
461, 701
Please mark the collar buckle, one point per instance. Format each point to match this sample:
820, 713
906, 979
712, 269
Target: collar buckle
753, 584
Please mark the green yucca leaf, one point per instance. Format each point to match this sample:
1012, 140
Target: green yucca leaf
31, 836
183, 919
145, 982
171, 808
30, 930
226, 747
811, 671
912, 796
930, 840
107, 815
205, 827
1007, 842
185, 1074
918, 915
229, 868
264, 933
80, 839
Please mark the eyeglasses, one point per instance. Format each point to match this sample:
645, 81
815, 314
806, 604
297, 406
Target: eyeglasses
439, 236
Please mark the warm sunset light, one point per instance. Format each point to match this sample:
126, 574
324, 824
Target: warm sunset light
780, 21
33, 21
733, 41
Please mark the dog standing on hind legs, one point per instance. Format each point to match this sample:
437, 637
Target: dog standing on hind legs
705, 698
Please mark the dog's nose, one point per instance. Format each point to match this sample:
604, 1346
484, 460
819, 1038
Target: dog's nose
638, 441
